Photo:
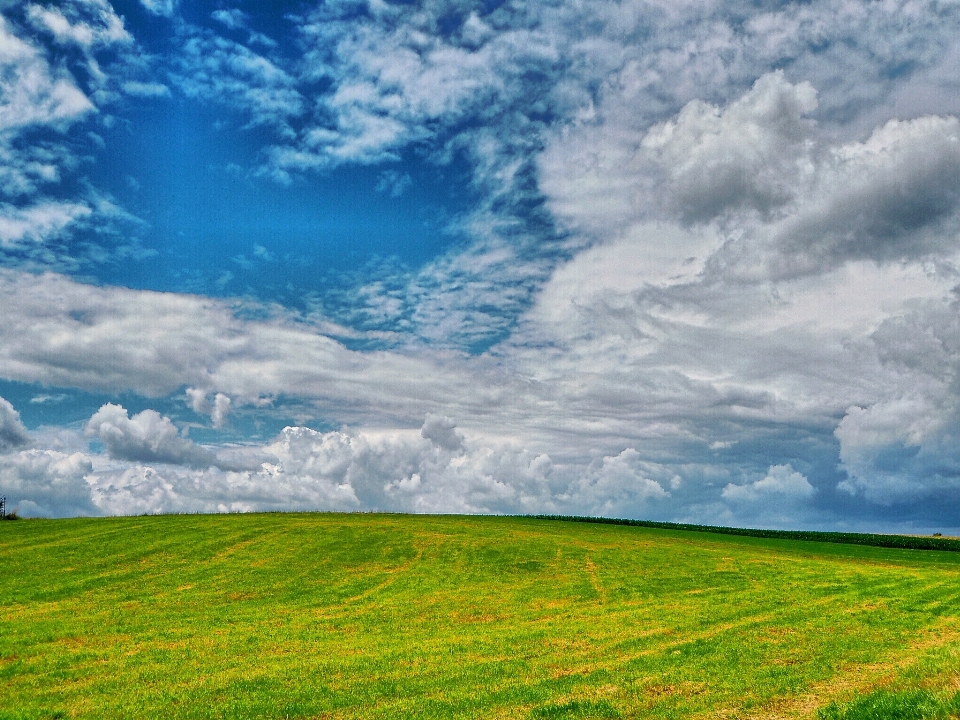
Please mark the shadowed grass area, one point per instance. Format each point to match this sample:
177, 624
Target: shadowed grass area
389, 616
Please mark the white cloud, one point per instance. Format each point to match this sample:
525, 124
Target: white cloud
217, 410
87, 23
396, 81
892, 198
781, 498
648, 254
307, 469
145, 437
211, 68
60, 27
38, 94
897, 449
743, 142
155, 343
901, 448
197, 400
147, 90
470, 296
165, 8
618, 487
40, 482
394, 183
752, 154
442, 432
397, 75
782, 484
220, 410
153, 469
12, 432
30, 92
747, 312
38, 222
232, 18
24, 171
608, 374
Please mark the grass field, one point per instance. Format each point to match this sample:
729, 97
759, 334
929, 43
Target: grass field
387, 616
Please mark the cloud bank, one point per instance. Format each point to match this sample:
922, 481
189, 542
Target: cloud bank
152, 468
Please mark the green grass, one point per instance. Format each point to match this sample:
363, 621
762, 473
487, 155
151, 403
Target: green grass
388, 616
887, 705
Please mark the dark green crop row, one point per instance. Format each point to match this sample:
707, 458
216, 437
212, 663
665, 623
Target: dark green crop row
902, 542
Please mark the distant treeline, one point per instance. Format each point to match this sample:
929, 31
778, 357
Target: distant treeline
905, 542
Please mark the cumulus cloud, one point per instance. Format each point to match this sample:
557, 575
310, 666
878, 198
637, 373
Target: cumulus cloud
891, 450
902, 447
306, 469
311, 470
618, 486
392, 471
892, 198
443, 432
657, 298
782, 497
12, 432
140, 489
197, 400
781, 484
47, 483
888, 197
217, 410
152, 469
145, 437
751, 154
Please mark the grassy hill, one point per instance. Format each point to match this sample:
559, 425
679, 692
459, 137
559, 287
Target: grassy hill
388, 616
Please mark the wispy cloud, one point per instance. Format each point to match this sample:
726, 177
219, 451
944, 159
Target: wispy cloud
86, 24
30, 92
211, 68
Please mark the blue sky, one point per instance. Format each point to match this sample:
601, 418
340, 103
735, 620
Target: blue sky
667, 260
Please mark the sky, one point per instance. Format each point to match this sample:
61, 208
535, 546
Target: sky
683, 261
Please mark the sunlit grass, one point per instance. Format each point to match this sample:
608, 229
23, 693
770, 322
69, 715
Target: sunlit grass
894, 705
386, 616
